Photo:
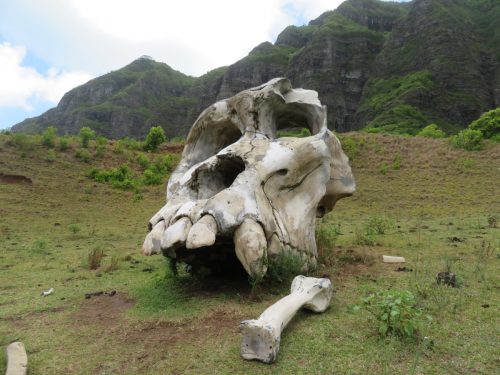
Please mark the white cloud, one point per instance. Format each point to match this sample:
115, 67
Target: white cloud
192, 36
20, 85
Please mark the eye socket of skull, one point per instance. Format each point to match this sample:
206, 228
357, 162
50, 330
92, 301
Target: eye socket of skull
206, 141
219, 177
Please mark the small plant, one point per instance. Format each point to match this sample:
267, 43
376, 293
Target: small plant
483, 252
396, 163
432, 131
285, 266
74, 229
326, 236
86, 134
384, 168
94, 258
83, 155
39, 246
364, 237
378, 225
396, 313
492, 221
155, 137
113, 265
350, 147
49, 136
468, 139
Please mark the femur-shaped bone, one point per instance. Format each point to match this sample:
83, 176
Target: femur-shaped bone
240, 192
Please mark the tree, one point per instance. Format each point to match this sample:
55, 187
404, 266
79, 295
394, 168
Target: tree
488, 123
86, 134
155, 137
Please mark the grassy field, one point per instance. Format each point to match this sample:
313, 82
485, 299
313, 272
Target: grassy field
435, 205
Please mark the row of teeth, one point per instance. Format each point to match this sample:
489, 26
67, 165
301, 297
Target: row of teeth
250, 242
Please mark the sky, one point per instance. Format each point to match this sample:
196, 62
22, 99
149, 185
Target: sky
48, 47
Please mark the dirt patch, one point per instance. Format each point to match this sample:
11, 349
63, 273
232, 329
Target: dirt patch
216, 323
15, 179
104, 309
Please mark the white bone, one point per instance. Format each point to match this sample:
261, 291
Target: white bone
17, 360
261, 337
392, 259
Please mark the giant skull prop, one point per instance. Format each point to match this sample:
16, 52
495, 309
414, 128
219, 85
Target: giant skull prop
241, 191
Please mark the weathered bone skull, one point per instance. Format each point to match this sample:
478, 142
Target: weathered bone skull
240, 190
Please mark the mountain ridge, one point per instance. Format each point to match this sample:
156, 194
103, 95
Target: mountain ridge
391, 67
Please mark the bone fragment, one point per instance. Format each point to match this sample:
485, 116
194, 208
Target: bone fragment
391, 259
176, 234
47, 293
250, 246
202, 233
17, 360
261, 337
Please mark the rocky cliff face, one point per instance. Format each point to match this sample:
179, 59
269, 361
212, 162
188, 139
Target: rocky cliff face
392, 67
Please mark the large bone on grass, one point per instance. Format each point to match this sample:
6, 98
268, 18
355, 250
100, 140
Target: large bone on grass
261, 337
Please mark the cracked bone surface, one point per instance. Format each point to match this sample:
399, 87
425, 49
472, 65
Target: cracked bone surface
241, 194
261, 337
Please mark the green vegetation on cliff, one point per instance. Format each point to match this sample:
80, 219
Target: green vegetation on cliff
384, 66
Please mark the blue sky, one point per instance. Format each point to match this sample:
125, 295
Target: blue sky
48, 47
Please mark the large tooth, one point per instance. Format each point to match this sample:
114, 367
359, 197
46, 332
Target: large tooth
202, 233
176, 234
153, 240
251, 247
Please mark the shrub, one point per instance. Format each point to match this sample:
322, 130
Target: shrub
63, 143
51, 156
488, 123
152, 178
132, 144
49, 137
86, 134
432, 131
94, 258
143, 161
395, 312
83, 155
468, 139
155, 137
120, 178
22, 141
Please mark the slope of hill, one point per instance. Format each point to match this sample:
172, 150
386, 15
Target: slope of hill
53, 218
392, 67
